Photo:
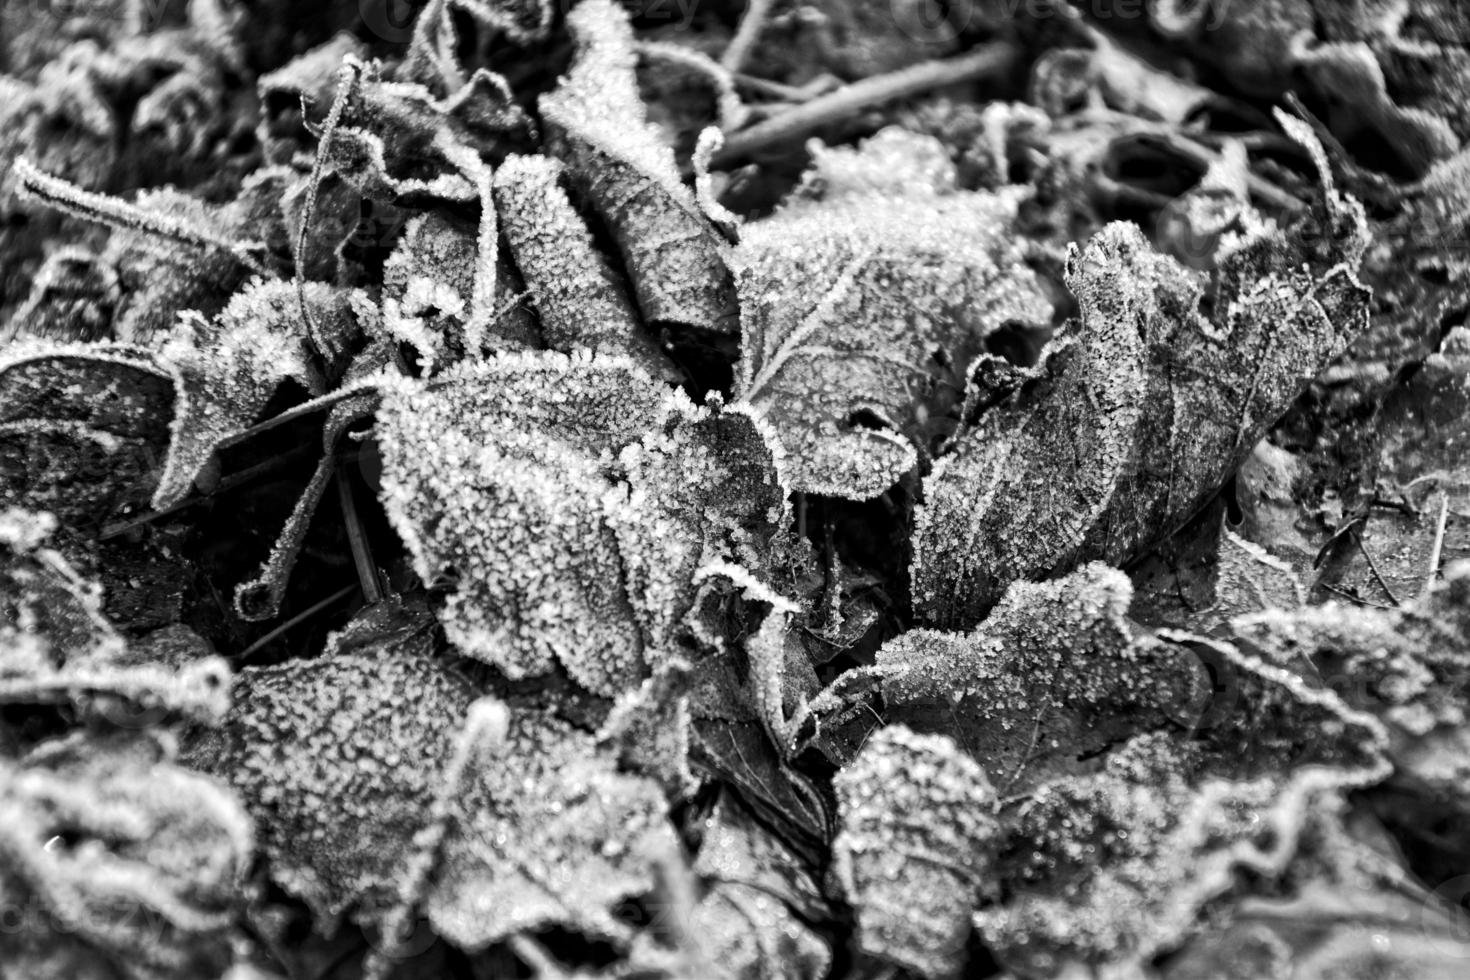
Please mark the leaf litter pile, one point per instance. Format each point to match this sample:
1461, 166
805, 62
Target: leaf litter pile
783, 489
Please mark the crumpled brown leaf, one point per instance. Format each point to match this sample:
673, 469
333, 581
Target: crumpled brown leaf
597, 125
865, 298
917, 837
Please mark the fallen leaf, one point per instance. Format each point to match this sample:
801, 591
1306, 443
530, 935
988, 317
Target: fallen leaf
596, 123
916, 839
864, 301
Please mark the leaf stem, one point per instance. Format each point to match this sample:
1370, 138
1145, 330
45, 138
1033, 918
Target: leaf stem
751, 24
986, 60
1437, 551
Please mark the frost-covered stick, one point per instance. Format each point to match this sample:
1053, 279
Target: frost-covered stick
751, 22
988, 59
115, 213
347, 77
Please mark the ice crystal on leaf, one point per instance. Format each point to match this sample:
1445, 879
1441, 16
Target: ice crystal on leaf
1155, 406
863, 297
130, 863
597, 125
916, 840
573, 499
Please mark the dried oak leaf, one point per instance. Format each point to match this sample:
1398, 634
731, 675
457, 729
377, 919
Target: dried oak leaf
59, 647
597, 124
1146, 767
573, 498
864, 300
917, 835
130, 864
1131, 436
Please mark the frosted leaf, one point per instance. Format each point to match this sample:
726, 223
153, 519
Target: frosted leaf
758, 892
73, 296
1410, 666
1137, 762
429, 290
1106, 871
210, 380
395, 140
171, 252
1022, 487
573, 498
336, 760
581, 302
225, 371
544, 831
1248, 579
916, 839
1056, 673
859, 307
56, 646
648, 729
1284, 303
746, 672
82, 426
1163, 410
129, 864
741, 753
597, 125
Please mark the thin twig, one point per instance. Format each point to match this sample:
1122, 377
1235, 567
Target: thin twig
751, 24
986, 60
362, 555
226, 484
1358, 599
297, 620
1438, 550
1258, 185
1373, 567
